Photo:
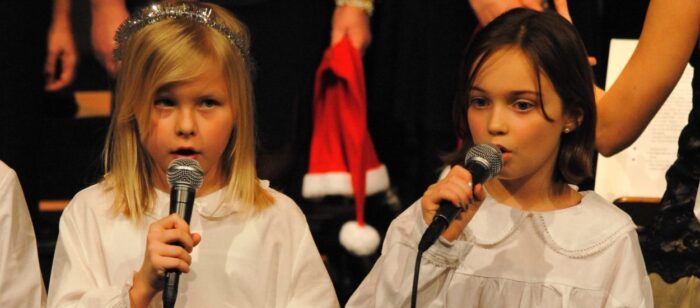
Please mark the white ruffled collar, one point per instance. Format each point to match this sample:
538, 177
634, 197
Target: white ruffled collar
210, 206
576, 231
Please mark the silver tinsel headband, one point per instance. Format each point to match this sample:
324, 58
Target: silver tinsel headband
160, 11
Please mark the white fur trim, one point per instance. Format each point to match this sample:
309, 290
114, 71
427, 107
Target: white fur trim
359, 240
340, 184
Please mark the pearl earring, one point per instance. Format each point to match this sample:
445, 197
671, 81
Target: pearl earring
567, 130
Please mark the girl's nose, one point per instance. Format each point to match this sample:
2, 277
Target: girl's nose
497, 122
186, 125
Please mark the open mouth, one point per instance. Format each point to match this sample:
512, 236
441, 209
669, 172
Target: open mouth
185, 152
503, 149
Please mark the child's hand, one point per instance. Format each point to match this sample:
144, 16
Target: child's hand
456, 188
168, 246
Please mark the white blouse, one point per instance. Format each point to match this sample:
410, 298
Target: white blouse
267, 259
587, 255
21, 284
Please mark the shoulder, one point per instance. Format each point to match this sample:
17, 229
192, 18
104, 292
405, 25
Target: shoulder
587, 228
7, 175
283, 206
94, 200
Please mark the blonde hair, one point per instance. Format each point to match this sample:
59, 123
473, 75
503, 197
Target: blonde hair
166, 52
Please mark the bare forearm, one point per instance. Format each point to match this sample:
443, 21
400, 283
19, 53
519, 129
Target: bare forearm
669, 35
61, 11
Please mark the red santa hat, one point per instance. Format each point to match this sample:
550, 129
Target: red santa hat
342, 158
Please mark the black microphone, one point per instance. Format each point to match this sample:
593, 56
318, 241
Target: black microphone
483, 161
185, 177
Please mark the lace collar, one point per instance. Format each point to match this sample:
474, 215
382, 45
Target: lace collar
577, 231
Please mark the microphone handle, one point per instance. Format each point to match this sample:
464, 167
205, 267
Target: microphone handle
181, 201
446, 213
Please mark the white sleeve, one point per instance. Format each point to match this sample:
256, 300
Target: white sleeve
630, 285
21, 284
78, 279
311, 285
389, 283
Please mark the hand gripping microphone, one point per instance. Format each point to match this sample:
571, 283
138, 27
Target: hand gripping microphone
185, 177
483, 161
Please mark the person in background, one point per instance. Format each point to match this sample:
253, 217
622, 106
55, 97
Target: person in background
20, 276
669, 40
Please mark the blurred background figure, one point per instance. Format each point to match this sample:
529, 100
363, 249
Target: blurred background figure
20, 276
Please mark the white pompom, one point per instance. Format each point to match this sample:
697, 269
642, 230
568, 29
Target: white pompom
359, 240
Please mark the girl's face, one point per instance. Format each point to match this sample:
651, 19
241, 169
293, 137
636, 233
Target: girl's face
192, 119
504, 109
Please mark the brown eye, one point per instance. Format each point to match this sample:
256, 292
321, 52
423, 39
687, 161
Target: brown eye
478, 102
164, 102
209, 103
523, 105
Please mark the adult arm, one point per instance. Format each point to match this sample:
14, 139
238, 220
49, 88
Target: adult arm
668, 37
60, 48
107, 15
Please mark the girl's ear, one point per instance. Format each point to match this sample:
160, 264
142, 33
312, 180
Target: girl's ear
573, 120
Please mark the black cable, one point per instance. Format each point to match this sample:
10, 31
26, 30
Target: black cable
416, 270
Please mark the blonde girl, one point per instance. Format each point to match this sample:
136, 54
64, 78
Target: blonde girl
184, 91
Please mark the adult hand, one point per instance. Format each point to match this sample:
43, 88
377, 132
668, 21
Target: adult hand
353, 22
168, 247
456, 187
60, 49
488, 10
106, 18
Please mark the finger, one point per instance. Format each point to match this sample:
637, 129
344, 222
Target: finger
177, 237
452, 193
68, 71
173, 221
196, 238
592, 61
168, 263
172, 251
479, 193
50, 71
461, 174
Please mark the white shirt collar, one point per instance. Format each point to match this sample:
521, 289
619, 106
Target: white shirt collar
577, 230
211, 206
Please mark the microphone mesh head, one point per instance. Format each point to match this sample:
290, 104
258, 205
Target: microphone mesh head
185, 171
487, 154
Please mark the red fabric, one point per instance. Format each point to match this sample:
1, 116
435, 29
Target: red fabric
340, 141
